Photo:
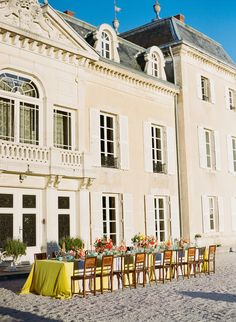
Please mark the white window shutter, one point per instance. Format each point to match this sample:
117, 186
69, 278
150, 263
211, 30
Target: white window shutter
233, 213
205, 214
174, 214
202, 147
96, 215
147, 139
217, 150
128, 216
150, 215
84, 217
124, 142
212, 91
227, 104
230, 154
199, 86
171, 151
95, 137
221, 214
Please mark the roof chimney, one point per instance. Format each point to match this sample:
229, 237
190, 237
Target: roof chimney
180, 17
69, 13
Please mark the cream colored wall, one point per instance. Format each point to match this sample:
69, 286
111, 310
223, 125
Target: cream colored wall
193, 113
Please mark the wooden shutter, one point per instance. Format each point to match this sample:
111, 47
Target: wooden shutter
221, 213
84, 217
230, 154
174, 214
171, 151
227, 104
95, 137
150, 215
96, 215
128, 218
205, 214
212, 91
147, 147
217, 150
233, 213
124, 142
199, 86
202, 147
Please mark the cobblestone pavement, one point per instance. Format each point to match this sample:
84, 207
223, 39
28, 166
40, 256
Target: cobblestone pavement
204, 298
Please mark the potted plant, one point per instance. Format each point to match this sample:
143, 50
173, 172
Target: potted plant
15, 248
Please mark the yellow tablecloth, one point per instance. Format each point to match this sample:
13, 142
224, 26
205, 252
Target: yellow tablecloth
50, 278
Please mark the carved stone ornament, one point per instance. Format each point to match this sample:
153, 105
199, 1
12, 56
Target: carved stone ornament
28, 15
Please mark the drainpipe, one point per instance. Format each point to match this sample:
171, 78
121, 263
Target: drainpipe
177, 148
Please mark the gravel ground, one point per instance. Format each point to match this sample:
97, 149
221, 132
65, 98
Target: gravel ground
205, 298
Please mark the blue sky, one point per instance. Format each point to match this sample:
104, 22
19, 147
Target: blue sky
215, 18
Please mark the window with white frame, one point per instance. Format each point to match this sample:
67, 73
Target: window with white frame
234, 153
209, 148
158, 154
213, 213
108, 140
62, 129
19, 109
155, 65
106, 45
232, 99
205, 87
110, 217
162, 224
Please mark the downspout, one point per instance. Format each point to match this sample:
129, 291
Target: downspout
177, 147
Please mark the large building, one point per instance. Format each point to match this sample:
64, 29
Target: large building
112, 135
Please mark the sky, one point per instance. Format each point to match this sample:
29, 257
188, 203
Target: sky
215, 18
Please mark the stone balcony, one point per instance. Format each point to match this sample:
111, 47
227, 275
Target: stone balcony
20, 158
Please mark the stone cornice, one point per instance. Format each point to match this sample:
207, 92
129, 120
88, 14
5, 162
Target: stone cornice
133, 78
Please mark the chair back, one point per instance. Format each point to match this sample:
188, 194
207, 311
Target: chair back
140, 261
107, 264
90, 265
180, 256
167, 259
212, 252
201, 253
40, 256
191, 257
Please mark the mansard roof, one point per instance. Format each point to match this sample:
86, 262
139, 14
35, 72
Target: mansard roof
171, 31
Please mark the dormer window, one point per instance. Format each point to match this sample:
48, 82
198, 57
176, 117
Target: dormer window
155, 62
106, 45
106, 42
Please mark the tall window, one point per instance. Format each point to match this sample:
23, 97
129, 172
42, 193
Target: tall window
110, 217
62, 129
108, 140
19, 100
106, 45
234, 152
63, 217
158, 149
210, 148
205, 85
212, 212
155, 65
161, 218
232, 99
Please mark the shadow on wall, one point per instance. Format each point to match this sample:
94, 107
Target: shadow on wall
224, 297
7, 314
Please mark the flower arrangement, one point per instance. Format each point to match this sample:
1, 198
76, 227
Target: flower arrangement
141, 241
67, 244
78, 253
102, 244
122, 248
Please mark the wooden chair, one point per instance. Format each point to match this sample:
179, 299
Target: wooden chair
106, 271
123, 268
178, 264
165, 268
200, 262
40, 256
89, 273
209, 262
139, 267
190, 264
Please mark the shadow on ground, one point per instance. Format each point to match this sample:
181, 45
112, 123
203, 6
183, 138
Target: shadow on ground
7, 314
211, 296
14, 285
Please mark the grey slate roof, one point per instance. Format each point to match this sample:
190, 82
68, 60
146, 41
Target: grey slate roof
171, 31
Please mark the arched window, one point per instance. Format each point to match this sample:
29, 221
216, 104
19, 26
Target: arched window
19, 109
155, 65
106, 45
